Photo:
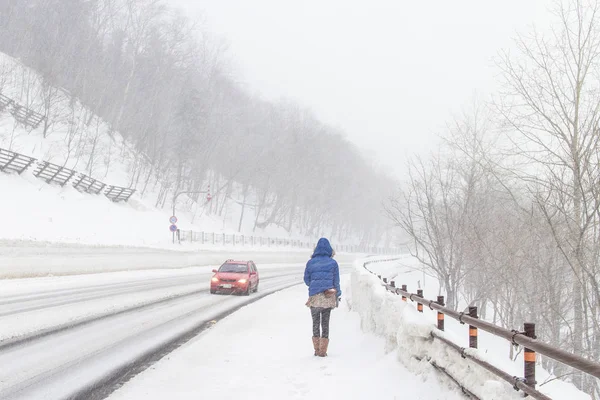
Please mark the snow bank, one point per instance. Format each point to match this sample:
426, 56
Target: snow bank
408, 333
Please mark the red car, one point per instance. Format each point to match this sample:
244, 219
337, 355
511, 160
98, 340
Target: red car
235, 277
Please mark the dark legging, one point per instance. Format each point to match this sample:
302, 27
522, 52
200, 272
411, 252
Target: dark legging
320, 317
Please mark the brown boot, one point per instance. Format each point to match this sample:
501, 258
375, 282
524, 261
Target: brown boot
323, 347
316, 344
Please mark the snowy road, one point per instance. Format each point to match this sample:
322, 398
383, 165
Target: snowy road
79, 336
264, 352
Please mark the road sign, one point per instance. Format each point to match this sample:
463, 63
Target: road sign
173, 219
173, 228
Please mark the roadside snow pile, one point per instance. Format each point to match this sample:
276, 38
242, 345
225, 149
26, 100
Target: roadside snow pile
408, 333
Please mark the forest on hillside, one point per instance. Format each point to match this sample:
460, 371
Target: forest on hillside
163, 83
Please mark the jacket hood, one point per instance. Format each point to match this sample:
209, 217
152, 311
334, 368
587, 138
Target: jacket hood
323, 248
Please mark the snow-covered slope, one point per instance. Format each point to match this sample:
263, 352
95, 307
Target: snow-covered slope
34, 210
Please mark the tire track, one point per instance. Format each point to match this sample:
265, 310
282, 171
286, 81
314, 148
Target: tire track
98, 370
23, 339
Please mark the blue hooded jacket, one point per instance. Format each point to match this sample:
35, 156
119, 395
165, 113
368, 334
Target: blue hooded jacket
322, 272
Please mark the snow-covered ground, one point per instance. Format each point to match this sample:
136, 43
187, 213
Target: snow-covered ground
264, 351
103, 322
66, 336
36, 211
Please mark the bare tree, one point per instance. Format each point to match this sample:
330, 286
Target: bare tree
432, 212
552, 103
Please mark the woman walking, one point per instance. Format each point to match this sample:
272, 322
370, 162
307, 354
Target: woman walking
322, 276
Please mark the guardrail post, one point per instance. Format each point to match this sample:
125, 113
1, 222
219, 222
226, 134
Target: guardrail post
440, 315
473, 329
393, 284
379, 276
404, 289
384, 280
529, 356
419, 305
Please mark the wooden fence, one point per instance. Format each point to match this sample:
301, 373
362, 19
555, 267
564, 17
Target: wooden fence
88, 184
57, 174
118, 193
53, 173
21, 113
15, 162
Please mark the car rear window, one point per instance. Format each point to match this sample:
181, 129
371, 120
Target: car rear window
233, 268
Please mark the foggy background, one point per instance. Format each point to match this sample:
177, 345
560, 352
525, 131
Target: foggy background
391, 74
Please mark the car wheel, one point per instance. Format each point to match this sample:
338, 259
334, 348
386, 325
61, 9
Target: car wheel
256, 288
248, 290
213, 291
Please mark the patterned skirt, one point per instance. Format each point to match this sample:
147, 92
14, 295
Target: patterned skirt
321, 301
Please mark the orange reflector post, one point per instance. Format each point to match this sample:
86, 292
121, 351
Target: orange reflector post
473, 329
529, 356
440, 315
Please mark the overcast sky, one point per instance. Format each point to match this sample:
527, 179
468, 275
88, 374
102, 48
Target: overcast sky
390, 73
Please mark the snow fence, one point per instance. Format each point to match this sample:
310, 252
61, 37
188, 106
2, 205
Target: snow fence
408, 333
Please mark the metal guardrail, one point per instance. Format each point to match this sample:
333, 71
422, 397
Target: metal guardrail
517, 382
524, 338
239, 240
249, 240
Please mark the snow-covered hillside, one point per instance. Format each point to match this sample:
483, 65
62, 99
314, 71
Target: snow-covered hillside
77, 139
